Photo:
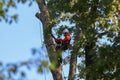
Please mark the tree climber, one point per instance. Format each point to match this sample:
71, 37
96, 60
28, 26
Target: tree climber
63, 44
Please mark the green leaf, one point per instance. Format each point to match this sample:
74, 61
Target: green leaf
13, 69
23, 1
15, 17
44, 63
1, 5
52, 66
11, 3
40, 69
38, 0
2, 14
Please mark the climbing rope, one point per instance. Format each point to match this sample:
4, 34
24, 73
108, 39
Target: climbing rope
68, 52
66, 60
64, 78
41, 34
42, 45
44, 74
68, 55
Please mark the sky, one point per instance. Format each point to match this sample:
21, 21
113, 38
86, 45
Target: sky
17, 39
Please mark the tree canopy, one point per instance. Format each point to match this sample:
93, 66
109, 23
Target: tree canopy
99, 22
95, 33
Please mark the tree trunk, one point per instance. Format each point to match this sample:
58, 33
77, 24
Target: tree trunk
89, 60
73, 60
44, 17
89, 57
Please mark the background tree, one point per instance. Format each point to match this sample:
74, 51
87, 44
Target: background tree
98, 43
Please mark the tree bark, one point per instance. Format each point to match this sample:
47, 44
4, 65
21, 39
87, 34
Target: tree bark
73, 60
43, 16
88, 59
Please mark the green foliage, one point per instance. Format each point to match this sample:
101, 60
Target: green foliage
44, 63
40, 69
6, 5
99, 38
52, 65
97, 20
38, 0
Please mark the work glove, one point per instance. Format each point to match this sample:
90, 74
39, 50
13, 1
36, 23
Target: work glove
58, 40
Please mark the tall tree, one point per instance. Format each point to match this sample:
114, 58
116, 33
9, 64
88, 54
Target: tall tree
95, 21
44, 18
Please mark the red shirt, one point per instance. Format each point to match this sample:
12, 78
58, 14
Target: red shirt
67, 38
